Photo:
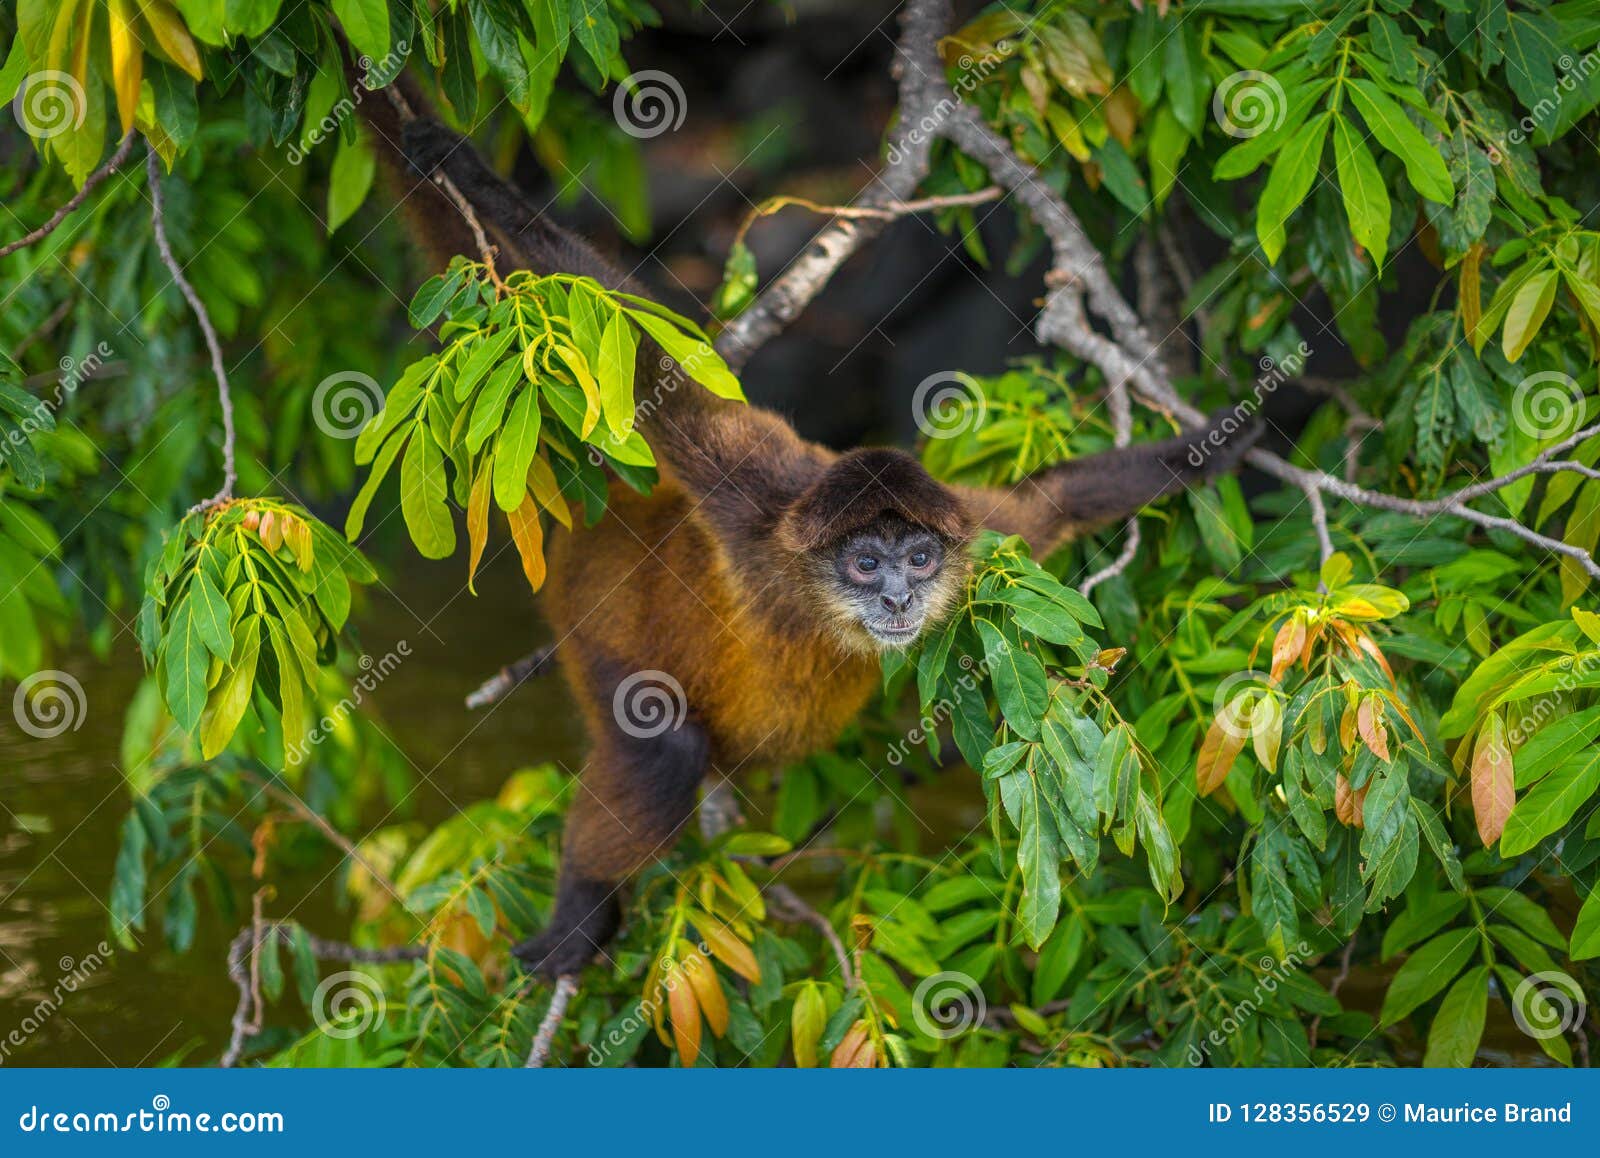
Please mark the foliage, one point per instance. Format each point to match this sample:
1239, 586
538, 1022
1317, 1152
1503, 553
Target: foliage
1385, 756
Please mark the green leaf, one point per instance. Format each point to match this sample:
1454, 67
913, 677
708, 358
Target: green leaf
350, 180
1366, 201
618, 347
185, 658
366, 23
1039, 861
211, 615
1527, 313
1550, 803
1019, 680
1425, 168
423, 499
1427, 971
1586, 931
696, 358
514, 451
1288, 183
1458, 1026
232, 697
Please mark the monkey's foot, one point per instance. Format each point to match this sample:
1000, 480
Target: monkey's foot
555, 952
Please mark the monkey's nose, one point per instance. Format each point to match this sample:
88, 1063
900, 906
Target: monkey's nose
897, 603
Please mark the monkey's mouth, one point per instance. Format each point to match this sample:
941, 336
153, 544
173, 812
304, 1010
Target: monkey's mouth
893, 632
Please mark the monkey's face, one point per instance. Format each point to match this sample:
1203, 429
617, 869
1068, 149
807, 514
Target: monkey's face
890, 581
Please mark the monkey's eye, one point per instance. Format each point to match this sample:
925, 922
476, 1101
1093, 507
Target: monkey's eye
866, 564
919, 560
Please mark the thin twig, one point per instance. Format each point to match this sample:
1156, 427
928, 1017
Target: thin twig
245, 971
1319, 521
566, 990
337, 838
799, 910
158, 218
1334, 986
74, 201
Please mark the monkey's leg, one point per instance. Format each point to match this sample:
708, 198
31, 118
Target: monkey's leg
633, 800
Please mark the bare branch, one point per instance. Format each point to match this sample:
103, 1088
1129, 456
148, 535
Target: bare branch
244, 968
566, 990
509, 678
1319, 521
76, 200
796, 909
230, 474
303, 810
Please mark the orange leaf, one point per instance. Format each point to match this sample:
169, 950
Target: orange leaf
855, 1051
1493, 789
685, 1017
1369, 722
1288, 645
1348, 803
528, 535
1219, 749
727, 948
703, 978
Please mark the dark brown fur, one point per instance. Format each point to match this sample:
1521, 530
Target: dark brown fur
713, 582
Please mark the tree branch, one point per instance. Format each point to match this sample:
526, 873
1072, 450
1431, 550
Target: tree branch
76, 200
566, 990
230, 474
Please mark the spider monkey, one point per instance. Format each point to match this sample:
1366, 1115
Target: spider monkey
763, 575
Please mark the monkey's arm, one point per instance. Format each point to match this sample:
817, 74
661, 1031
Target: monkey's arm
1063, 501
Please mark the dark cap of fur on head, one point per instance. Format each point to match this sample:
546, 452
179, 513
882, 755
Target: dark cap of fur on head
860, 488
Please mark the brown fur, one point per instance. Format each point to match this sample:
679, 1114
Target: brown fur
719, 581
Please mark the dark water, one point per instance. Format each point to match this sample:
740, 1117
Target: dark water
62, 800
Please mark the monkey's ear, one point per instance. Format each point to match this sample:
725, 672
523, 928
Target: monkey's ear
859, 489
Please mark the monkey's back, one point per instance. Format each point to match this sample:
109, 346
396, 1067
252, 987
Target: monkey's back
648, 589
